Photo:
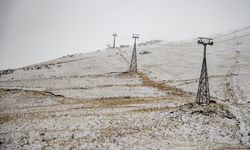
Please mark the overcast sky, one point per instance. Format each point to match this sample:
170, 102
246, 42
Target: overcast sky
32, 31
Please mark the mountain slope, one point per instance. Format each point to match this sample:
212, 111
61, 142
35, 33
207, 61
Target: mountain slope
91, 101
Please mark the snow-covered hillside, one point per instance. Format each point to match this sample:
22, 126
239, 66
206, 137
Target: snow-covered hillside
87, 101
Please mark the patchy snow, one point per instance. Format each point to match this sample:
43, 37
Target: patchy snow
89, 101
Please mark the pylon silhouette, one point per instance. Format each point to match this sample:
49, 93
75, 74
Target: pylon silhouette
114, 34
133, 63
203, 94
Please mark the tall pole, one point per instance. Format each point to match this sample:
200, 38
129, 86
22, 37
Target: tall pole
203, 94
133, 63
205, 51
114, 34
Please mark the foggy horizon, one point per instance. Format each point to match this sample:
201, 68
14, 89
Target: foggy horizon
36, 31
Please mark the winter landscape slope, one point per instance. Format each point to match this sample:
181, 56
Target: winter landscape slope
90, 101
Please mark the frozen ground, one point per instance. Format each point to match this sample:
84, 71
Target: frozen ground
89, 101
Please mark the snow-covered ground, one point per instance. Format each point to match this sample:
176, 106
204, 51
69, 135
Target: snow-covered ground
90, 101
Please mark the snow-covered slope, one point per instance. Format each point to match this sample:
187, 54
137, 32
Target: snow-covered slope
132, 110
174, 63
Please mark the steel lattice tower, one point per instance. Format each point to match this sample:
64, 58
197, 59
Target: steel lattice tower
203, 94
133, 63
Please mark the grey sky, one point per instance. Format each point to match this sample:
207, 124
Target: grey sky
33, 31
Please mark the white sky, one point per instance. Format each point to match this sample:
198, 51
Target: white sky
33, 31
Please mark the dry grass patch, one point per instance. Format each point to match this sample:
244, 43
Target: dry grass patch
153, 109
5, 118
29, 92
3, 92
162, 86
121, 101
151, 83
114, 101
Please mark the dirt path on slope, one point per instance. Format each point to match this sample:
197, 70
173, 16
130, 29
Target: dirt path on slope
123, 57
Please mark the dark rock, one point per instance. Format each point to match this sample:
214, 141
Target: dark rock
38, 67
42, 134
212, 101
5, 72
145, 52
124, 46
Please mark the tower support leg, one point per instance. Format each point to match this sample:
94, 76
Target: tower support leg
203, 94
